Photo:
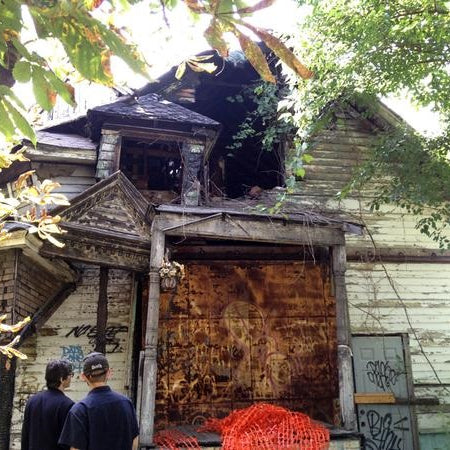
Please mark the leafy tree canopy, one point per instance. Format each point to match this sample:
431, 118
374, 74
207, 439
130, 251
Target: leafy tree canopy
371, 48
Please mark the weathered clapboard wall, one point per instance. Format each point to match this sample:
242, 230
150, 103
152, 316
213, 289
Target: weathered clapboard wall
70, 333
422, 306
33, 287
24, 286
67, 159
396, 298
74, 179
7, 283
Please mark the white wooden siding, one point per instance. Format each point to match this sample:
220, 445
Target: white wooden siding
74, 179
423, 311
57, 339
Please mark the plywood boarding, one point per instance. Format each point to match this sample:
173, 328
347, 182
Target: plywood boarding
236, 334
70, 334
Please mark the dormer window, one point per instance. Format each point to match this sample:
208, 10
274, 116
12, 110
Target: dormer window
153, 166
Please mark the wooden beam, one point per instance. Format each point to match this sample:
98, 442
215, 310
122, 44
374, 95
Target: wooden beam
344, 352
62, 155
398, 255
102, 311
134, 132
238, 228
374, 398
267, 252
150, 366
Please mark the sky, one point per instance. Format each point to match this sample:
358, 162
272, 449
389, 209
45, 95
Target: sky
164, 46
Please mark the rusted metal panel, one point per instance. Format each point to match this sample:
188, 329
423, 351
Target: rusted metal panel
71, 332
235, 334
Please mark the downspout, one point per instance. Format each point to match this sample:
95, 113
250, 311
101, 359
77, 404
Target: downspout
150, 368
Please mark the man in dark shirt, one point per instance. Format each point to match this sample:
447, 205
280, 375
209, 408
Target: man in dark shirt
46, 411
104, 419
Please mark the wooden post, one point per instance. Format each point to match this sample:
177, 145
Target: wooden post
102, 311
344, 352
150, 368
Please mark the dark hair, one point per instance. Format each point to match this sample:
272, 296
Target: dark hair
56, 371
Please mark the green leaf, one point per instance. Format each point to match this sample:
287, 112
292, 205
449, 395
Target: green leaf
43, 92
300, 172
22, 71
6, 125
7, 92
20, 122
307, 158
65, 90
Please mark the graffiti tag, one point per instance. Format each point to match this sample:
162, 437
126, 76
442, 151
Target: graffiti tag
74, 354
90, 331
381, 374
383, 431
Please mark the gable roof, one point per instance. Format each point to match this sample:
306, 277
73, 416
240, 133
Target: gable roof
113, 207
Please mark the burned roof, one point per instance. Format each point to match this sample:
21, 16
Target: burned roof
152, 107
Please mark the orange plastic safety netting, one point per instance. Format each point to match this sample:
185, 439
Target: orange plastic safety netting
174, 440
268, 427
260, 427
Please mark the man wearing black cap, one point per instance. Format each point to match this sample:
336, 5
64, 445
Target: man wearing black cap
104, 419
46, 411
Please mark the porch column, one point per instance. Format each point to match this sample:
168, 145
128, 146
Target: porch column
150, 368
344, 352
192, 154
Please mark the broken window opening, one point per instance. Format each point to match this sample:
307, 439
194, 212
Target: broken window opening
155, 168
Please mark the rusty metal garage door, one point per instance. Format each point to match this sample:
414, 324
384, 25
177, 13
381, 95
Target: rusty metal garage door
233, 334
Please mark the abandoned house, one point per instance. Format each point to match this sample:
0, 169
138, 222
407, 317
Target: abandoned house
323, 307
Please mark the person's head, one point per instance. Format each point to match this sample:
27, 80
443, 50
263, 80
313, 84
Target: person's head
95, 369
58, 374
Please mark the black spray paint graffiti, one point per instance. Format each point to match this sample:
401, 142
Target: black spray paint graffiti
111, 332
381, 374
384, 433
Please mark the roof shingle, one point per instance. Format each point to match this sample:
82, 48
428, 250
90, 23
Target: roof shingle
153, 107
